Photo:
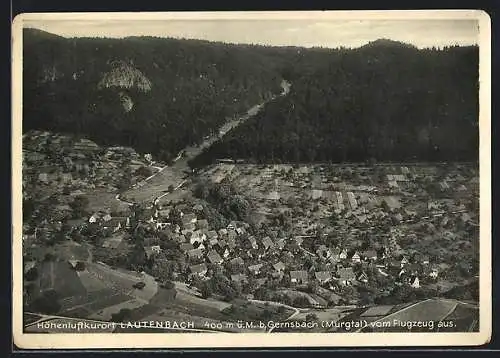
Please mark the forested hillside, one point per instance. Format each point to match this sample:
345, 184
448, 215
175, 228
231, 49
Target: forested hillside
154, 94
385, 101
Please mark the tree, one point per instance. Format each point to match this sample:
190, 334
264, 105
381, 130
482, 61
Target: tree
206, 290
312, 287
168, 285
301, 301
310, 317
47, 303
31, 274
144, 172
121, 315
79, 206
80, 266
349, 293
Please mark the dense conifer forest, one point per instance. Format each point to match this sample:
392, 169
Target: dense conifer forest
385, 101
154, 94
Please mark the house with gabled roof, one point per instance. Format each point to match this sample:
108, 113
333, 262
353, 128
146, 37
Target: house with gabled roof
179, 238
231, 234
414, 282
323, 252
152, 250
362, 277
94, 218
197, 236
433, 272
231, 244
202, 224
198, 270
279, 266
343, 254
116, 223
299, 277
189, 219
237, 261
252, 241
195, 253
267, 243
346, 276
214, 257
226, 253
240, 278
188, 228
213, 242
433, 206
198, 207
352, 201
162, 225
186, 246
323, 276
356, 258
212, 234
370, 255
255, 269
164, 213
280, 243
223, 232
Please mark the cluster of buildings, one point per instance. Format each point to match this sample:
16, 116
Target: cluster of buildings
260, 257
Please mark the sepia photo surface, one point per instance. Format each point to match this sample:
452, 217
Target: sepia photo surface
280, 179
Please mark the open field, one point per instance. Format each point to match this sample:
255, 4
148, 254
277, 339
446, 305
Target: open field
66, 250
157, 185
123, 281
59, 276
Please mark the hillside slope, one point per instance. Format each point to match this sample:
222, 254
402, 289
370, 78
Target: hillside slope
156, 95
386, 101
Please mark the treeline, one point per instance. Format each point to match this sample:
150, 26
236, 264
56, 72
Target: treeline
160, 95
385, 101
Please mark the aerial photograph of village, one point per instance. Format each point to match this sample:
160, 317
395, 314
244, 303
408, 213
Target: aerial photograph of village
311, 176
